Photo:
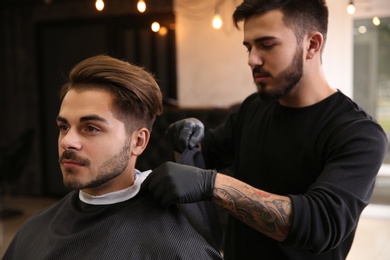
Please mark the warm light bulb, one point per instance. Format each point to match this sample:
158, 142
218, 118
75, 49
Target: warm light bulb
99, 5
362, 29
155, 27
163, 31
376, 21
217, 21
141, 6
351, 8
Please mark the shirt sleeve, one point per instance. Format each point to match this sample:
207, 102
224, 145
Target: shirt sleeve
329, 211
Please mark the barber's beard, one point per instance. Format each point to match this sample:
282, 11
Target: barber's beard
285, 81
107, 171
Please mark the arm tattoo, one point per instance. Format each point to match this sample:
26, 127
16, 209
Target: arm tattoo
267, 213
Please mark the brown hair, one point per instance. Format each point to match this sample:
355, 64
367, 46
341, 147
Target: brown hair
137, 98
302, 16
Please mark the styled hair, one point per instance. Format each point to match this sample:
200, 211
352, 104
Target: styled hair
302, 16
137, 98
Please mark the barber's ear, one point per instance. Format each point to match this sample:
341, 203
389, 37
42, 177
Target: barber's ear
140, 139
315, 43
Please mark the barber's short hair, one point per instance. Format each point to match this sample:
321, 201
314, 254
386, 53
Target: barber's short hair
302, 16
137, 98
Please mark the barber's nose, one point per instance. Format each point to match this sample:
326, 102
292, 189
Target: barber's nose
69, 140
254, 58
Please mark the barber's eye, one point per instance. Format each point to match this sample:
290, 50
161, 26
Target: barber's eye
268, 46
92, 129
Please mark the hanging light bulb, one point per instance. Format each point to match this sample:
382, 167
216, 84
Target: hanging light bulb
217, 20
362, 29
376, 21
141, 6
155, 27
163, 31
99, 5
351, 8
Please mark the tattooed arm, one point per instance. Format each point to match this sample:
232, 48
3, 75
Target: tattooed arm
266, 212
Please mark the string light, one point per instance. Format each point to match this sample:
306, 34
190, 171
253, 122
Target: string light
217, 20
362, 29
141, 6
351, 8
163, 31
376, 21
99, 5
155, 27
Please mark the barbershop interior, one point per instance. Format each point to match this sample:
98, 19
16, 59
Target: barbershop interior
196, 54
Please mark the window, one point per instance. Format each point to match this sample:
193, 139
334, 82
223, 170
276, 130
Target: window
372, 86
372, 70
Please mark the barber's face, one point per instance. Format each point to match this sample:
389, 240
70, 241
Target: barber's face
93, 146
275, 58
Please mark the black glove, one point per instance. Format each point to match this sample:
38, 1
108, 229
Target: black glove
174, 183
186, 133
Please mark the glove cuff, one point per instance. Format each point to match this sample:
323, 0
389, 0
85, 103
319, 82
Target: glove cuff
209, 184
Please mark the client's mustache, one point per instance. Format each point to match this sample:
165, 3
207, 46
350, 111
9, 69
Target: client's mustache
70, 155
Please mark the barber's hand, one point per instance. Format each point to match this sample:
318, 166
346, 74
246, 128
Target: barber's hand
186, 133
174, 183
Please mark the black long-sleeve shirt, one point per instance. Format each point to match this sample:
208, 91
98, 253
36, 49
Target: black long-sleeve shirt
325, 157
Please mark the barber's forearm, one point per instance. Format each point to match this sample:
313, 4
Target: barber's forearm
263, 211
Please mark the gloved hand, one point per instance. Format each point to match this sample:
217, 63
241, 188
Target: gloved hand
174, 183
185, 133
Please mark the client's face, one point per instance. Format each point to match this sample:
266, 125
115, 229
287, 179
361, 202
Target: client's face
93, 146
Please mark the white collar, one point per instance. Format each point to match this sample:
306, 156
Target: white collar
116, 196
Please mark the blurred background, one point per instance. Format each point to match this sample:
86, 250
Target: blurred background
198, 59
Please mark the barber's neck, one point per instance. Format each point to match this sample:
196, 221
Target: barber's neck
311, 89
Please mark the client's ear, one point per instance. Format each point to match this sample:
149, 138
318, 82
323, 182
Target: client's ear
139, 141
